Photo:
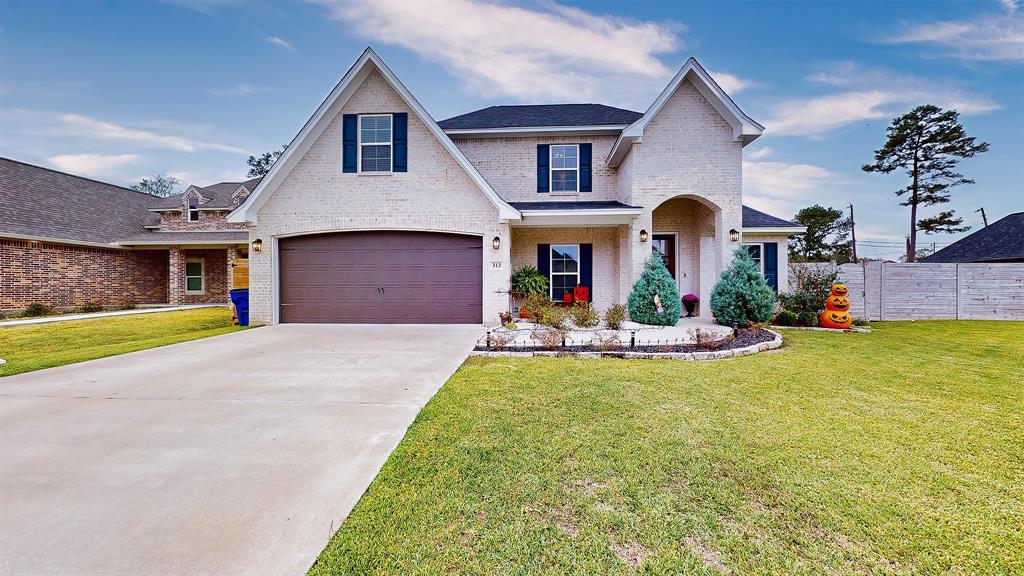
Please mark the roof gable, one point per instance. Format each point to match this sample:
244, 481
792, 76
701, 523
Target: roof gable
326, 113
745, 129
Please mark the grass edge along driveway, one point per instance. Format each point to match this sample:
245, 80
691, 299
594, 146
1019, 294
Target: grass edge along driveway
38, 346
896, 452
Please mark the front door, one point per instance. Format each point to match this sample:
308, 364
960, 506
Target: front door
665, 244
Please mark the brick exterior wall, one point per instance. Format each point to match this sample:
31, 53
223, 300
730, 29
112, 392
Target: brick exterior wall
436, 194
510, 165
211, 220
605, 290
66, 276
215, 276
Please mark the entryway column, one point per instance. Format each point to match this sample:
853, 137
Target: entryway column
175, 280
232, 255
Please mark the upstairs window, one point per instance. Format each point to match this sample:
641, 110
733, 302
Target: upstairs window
565, 168
193, 209
375, 140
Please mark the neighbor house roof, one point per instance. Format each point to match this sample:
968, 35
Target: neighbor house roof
1001, 240
218, 196
44, 204
757, 219
538, 115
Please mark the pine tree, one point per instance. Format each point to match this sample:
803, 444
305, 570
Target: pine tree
742, 296
655, 281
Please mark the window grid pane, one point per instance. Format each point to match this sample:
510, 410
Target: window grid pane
193, 284
376, 158
193, 269
563, 180
375, 130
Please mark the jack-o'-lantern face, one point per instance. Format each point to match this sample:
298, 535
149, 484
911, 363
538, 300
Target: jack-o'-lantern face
834, 302
839, 289
835, 319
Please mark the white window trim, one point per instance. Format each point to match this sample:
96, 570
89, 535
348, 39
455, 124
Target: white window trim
761, 259
359, 144
551, 170
189, 210
202, 275
551, 268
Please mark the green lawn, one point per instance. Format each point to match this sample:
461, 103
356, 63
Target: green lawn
900, 451
39, 346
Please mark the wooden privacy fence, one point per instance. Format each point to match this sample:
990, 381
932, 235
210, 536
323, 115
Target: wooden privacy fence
923, 291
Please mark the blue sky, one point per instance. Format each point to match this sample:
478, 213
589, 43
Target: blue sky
119, 90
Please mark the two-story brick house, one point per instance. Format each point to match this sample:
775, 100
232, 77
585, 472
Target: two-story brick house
378, 213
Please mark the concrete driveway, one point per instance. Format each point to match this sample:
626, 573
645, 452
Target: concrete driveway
237, 454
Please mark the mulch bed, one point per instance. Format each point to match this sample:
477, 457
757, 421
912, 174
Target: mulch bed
744, 338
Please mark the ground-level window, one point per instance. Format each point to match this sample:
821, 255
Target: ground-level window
756, 250
194, 275
375, 143
565, 269
193, 209
565, 168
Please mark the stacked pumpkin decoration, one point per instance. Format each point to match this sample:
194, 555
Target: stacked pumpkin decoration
837, 309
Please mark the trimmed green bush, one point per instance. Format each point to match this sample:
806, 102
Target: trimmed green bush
742, 296
584, 315
37, 309
614, 316
655, 281
785, 318
807, 319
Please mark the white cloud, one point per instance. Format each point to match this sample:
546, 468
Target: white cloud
759, 153
872, 94
549, 53
239, 89
91, 165
1010, 6
780, 188
986, 38
731, 83
281, 43
99, 129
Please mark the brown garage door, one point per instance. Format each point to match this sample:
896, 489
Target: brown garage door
381, 277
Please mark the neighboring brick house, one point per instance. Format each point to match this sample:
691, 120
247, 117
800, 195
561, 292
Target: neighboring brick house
67, 241
377, 213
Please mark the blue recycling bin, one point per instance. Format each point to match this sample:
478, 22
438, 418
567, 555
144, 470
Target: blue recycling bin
240, 298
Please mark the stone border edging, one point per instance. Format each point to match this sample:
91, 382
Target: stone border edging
624, 353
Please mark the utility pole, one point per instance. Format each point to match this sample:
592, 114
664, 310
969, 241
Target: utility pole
983, 218
853, 234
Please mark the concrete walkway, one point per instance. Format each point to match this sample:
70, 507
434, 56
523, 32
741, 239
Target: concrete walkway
67, 317
237, 454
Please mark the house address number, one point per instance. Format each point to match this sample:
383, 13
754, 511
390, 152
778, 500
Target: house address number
495, 263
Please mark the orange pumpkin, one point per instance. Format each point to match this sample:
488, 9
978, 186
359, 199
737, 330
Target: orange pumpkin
839, 289
835, 319
834, 302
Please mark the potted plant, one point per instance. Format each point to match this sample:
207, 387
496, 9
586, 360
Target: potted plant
527, 281
690, 302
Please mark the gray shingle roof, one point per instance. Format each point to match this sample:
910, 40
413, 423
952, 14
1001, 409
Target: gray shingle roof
44, 203
227, 237
218, 195
999, 241
597, 205
542, 115
757, 219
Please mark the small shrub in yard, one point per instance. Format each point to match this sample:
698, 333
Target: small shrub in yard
861, 322
584, 315
807, 319
129, 304
37, 309
536, 304
655, 281
528, 280
548, 337
614, 316
554, 316
785, 318
91, 307
606, 341
742, 296
501, 340
705, 339
813, 287
512, 326
505, 317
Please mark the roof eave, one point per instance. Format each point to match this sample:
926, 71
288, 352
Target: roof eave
774, 229
515, 131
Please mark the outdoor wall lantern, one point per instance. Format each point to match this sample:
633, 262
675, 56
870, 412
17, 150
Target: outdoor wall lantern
643, 235
257, 245
496, 243
734, 235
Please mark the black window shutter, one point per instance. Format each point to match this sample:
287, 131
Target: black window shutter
585, 168
544, 260
543, 163
587, 268
400, 141
349, 142
771, 264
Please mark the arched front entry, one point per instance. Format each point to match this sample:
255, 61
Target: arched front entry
381, 277
688, 229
